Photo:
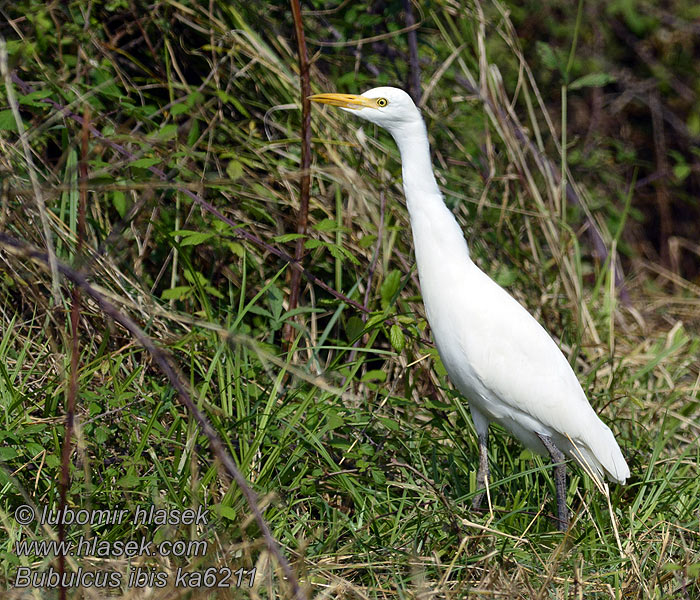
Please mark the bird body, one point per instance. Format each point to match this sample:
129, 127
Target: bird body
512, 372
496, 354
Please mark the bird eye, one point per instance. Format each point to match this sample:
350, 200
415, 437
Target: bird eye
382, 102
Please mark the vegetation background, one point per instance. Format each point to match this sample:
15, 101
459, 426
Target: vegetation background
154, 149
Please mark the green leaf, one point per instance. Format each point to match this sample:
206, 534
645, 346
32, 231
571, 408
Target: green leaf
179, 108
32, 98
681, 171
368, 19
190, 237
33, 449
234, 170
195, 277
505, 276
129, 480
378, 476
101, 434
193, 134
311, 243
390, 424
7, 121
547, 56
229, 98
390, 286
210, 289
275, 300
354, 328
374, 319
236, 248
144, 163
52, 461
334, 420
7, 453
437, 362
366, 241
259, 310
167, 132
591, 80
8, 437
374, 375
176, 293
341, 253
107, 85
226, 512
287, 237
398, 341
119, 202
326, 225
195, 238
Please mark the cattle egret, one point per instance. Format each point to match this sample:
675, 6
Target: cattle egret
496, 354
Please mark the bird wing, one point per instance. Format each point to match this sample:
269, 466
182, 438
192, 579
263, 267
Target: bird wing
486, 337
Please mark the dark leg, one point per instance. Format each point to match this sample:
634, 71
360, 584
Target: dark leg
559, 480
483, 472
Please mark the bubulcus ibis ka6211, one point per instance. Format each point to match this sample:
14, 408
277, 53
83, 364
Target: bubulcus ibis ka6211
496, 354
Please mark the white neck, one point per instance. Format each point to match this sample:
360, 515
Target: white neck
418, 177
434, 226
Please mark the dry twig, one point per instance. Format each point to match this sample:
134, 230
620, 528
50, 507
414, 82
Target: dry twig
305, 180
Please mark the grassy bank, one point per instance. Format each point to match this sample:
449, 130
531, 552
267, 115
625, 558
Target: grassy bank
177, 127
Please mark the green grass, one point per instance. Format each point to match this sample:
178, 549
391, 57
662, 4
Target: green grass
363, 456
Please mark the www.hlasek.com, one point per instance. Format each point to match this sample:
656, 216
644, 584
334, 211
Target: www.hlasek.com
140, 577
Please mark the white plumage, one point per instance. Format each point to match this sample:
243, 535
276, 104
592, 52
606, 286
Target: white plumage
495, 352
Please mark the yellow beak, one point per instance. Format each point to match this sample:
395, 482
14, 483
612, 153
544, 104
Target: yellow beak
350, 101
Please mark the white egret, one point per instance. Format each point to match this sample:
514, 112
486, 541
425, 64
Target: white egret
496, 354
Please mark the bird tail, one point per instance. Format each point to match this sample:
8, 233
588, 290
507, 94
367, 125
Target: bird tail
601, 454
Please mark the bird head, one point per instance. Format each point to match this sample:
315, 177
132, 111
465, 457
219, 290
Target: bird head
387, 107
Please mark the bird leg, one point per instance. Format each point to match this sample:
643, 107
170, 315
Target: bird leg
483, 472
559, 480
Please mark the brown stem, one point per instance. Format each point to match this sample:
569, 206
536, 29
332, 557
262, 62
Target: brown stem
663, 197
305, 180
83, 172
75, 352
413, 63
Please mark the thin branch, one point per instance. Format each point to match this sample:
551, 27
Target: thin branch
305, 180
163, 360
663, 197
413, 62
367, 40
75, 349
